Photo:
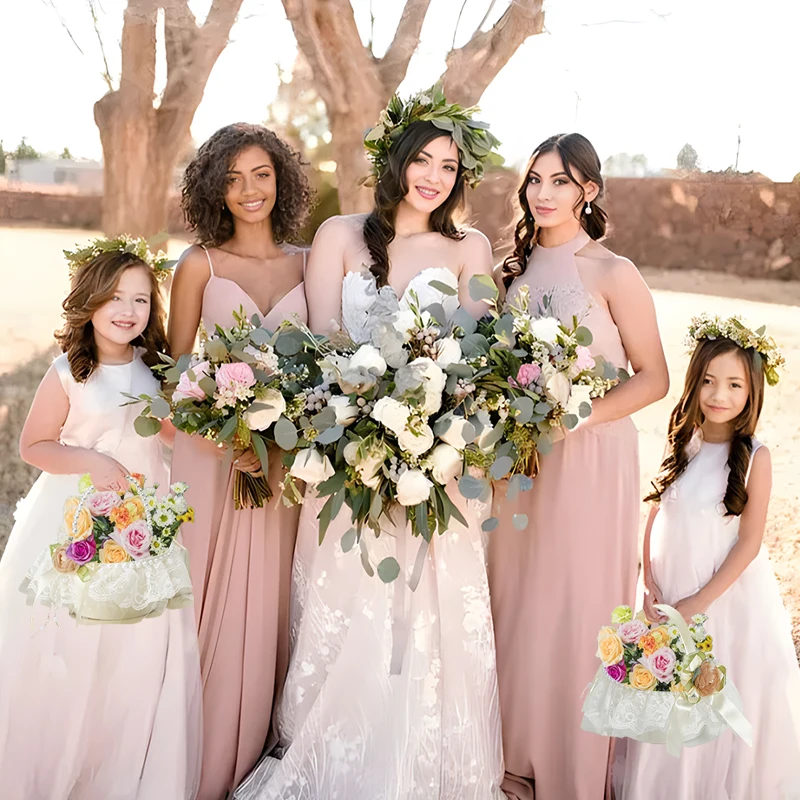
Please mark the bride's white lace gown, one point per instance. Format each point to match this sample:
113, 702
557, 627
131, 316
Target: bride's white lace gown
348, 728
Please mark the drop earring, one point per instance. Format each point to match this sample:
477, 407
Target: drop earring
588, 209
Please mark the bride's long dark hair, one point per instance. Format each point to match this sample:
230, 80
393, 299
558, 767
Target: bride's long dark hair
390, 189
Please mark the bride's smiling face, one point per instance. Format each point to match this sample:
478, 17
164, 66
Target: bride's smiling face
430, 176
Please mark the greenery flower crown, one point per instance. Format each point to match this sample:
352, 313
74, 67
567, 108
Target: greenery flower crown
767, 354
472, 137
159, 262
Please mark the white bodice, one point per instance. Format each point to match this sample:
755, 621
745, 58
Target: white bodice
364, 305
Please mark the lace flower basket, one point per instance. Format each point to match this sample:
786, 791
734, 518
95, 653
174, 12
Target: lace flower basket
118, 560
692, 705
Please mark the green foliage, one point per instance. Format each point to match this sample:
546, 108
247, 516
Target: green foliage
24, 151
688, 159
2, 159
66, 155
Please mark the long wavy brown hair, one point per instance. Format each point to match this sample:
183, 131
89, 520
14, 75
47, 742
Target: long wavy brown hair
205, 182
580, 159
93, 285
390, 189
687, 416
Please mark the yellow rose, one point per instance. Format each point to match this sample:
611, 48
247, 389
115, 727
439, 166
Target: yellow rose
609, 646
642, 679
113, 553
61, 562
82, 525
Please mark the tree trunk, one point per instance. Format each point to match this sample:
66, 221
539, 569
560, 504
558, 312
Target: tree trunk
142, 143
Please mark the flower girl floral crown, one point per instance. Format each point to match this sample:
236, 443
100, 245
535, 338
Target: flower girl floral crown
472, 137
768, 355
79, 257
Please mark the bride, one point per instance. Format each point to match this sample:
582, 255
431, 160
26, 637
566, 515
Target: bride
349, 728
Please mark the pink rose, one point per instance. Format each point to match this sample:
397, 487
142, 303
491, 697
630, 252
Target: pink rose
82, 552
100, 503
662, 664
231, 376
528, 373
136, 539
188, 388
585, 359
632, 631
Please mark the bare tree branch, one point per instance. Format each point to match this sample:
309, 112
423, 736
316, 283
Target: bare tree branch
485, 17
471, 68
394, 64
51, 4
371, 44
96, 23
458, 22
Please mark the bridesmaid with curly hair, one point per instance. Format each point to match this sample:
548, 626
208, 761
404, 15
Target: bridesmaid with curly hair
245, 195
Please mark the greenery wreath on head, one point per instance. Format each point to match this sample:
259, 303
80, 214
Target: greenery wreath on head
475, 143
158, 262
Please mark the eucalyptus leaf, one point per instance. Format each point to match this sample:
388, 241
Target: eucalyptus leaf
325, 419
544, 444
463, 319
584, 410
505, 449
489, 524
459, 370
421, 518
285, 433
146, 426
260, 446
388, 569
520, 521
482, 287
569, 421
228, 429
260, 336
216, 350
332, 485
159, 407
208, 385
348, 540
583, 336
337, 501
444, 288
501, 467
474, 345
290, 343
471, 488
331, 435
365, 558
542, 408
524, 405
436, 310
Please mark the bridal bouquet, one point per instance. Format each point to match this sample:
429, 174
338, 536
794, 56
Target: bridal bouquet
541, 370
240, 389
117, 559
661, 683
386, 427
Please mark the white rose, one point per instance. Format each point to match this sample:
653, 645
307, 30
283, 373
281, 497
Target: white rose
483, 424
447, 463
433, 380
265, 359
413, 488
311, 466
346, 412
546, 329
392, 414
261, 418
351, 453
447, 352
369, 467
417, 441
368, 358
580, 394
404, 321
459, 432
557, 388
332, 366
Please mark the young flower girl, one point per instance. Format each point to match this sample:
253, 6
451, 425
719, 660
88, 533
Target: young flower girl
94, 711
703, 554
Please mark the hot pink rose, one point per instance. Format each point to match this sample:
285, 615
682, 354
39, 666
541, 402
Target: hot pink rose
632, 631
585, 359
528, 373
136, 539
188, 388
662, 664
617, 672
231, 376
100, 503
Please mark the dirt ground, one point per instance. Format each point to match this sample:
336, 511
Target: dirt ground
37, 281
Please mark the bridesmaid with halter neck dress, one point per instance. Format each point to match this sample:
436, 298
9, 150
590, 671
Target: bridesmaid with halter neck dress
554, 584
241, 560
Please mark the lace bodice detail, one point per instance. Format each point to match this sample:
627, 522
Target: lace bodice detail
364, 305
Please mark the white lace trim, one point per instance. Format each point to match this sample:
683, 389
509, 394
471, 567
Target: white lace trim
612, 709
115, 592
564, 302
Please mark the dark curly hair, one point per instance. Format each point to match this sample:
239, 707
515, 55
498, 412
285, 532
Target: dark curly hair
93, 286
205, 181
391, 188
576, 153
686, 416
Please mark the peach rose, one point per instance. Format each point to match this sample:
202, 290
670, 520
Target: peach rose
707, 679
126, 514
642, 679
113, 553
78, 526
609, 646
62, 562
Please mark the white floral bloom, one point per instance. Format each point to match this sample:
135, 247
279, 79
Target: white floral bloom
150, 503
557, 388
332, 366
446, 462
177, 488
351, 453
368, 467
179, 504
404, 322
426, 373
164, 518
346, 412
546, 329
368, 358
311, 466
392, 414
482, 422
447, 351
580, 394
262, 418
416, 439
265, 359
698, 633
413, 488
458, 433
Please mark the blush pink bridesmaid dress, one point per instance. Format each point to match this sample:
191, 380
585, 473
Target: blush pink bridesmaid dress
554, 584
241, 564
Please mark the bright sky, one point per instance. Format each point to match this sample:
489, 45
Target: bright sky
636, 76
